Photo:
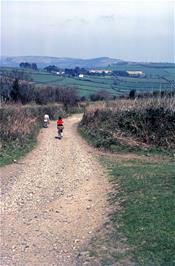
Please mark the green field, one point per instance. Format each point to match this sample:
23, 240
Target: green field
152, 69
89, 85
154, 80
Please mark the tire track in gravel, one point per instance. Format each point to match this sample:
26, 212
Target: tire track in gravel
53, 201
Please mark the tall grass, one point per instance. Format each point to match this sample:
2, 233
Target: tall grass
16, 125
126, 104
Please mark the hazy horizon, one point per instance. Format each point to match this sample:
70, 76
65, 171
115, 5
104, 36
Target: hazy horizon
129, 30
88, 58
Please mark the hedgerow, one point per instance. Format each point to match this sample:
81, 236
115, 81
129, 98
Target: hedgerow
150, 121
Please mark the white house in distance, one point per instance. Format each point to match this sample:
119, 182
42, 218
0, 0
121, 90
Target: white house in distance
100, 71
60, 73
136, 73
81, 75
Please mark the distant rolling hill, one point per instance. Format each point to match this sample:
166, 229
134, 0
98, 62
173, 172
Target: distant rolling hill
62, 62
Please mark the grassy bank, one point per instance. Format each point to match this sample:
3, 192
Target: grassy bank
10, 152
145, 126
20, 126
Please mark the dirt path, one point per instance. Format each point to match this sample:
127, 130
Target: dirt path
53, 201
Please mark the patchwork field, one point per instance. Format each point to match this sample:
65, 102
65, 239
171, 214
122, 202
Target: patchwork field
158, 77
116, 86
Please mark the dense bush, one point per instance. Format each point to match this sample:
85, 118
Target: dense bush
101, 95
149, 121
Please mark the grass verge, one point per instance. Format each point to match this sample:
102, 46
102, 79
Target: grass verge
145, 192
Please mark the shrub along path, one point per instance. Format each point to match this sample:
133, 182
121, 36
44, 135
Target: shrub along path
53, 200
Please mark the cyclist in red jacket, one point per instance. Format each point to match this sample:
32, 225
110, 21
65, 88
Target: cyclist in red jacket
60, 127
59, 122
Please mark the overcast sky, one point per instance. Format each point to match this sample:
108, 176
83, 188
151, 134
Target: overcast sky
130, 30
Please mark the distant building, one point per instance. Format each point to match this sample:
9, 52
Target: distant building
136, 73
81, 75
59, 73
100, 71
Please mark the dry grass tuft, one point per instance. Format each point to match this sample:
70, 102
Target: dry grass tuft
126, 105
16, 125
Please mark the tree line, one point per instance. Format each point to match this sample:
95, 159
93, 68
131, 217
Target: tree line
28, 65
14, 90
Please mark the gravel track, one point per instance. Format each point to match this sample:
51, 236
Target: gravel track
52, 201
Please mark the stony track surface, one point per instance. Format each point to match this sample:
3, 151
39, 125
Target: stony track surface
52, 201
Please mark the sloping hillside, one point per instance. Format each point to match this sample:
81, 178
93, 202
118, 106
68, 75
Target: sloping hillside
63, 62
